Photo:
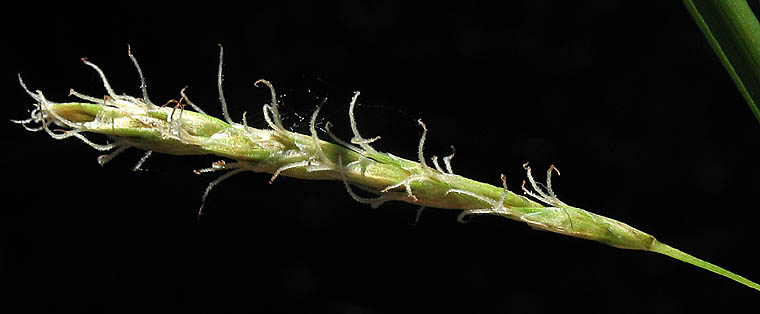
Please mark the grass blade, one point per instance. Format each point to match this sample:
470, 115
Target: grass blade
733, 32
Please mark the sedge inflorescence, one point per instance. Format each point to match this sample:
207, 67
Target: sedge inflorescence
169, 124
173, 129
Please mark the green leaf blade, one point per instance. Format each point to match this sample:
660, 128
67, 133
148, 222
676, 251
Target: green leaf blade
733, 32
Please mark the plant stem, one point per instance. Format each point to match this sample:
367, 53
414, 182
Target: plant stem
684, 257
733, 32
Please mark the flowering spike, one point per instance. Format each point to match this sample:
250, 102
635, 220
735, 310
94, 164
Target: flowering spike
132, 122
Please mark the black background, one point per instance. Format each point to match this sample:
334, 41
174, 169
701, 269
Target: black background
625, 97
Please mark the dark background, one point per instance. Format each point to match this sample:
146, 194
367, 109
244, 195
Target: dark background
625, 97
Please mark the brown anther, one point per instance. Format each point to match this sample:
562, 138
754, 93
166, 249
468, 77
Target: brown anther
179, 105
171, 101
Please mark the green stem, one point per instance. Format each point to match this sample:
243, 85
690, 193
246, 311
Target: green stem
733, 32
684, 257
